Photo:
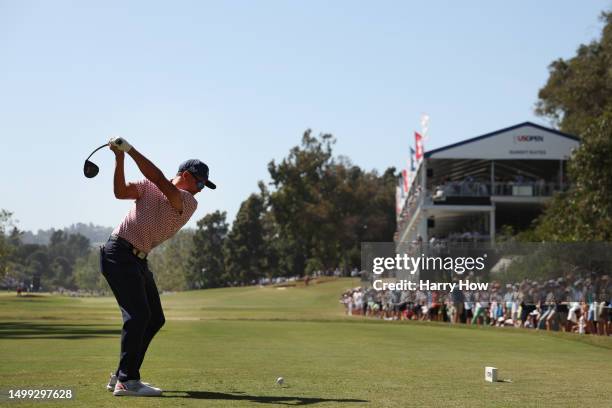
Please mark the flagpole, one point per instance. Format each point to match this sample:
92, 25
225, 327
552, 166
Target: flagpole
425, 126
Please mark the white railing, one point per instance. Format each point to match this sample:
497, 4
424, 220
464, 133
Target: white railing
483, 189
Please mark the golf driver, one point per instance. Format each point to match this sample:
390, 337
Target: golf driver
91, 169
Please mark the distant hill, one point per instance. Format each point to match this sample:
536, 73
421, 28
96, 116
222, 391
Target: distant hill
95, 233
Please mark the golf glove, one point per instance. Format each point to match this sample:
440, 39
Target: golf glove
121, 144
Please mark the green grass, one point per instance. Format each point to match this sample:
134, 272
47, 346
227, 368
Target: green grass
225, 347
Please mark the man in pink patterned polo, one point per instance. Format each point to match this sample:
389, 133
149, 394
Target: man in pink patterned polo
160, 209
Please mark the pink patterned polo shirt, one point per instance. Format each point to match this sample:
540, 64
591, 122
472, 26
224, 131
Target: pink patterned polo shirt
152, 219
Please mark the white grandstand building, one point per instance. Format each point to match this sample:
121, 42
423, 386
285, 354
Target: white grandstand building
466, 191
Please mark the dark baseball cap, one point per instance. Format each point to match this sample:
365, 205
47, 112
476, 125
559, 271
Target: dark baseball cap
199, 170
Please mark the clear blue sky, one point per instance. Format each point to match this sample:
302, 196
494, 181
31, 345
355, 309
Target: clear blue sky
236, 83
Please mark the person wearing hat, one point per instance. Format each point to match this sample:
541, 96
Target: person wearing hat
160, 209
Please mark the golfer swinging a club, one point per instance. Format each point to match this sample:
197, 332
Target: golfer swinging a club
161, 208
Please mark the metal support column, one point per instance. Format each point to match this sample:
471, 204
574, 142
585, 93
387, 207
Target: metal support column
492, 192
492, 225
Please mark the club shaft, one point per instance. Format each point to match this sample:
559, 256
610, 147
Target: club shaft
104, 145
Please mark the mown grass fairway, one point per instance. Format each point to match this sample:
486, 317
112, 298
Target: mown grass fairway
226, 347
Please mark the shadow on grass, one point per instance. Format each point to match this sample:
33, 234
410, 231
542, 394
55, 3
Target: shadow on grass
267, 399
30, 295
28, 330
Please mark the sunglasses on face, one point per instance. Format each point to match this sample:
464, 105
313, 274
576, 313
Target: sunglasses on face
199, 183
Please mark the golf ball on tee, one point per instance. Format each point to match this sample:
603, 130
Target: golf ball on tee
280, 380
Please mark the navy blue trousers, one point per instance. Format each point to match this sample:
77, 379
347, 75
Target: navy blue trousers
134, 288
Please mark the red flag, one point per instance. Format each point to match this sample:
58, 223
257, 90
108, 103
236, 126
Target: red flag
398, 200
406, 180
418, 142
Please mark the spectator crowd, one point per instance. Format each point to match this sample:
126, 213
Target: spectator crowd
581, 304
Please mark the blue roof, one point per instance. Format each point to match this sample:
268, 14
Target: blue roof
497, 132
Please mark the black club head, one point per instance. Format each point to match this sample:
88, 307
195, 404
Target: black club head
90, 169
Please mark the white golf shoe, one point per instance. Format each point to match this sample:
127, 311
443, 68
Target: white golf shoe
112, 381
135, 388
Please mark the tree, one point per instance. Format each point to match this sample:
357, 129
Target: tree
584, 213
245, 248
362, 209
324, 207
37, 264
271, 234
206, 264
70, 246
170, 261
87, 274
579, 89
5, 247
296, 202
578, 96
63, 250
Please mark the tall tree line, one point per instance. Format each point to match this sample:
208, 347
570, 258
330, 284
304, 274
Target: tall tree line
312, 216
39, 267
